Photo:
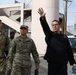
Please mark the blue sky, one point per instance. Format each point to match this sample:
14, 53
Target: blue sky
70, 11
70, 14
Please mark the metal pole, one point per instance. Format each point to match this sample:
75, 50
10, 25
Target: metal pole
65, 16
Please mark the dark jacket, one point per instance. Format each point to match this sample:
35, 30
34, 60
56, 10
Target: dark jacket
58, 46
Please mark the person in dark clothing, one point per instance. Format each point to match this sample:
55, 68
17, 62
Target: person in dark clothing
12, 35
59, 51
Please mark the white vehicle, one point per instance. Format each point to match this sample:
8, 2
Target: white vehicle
72, 40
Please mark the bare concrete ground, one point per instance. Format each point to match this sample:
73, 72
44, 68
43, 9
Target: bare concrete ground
43, 67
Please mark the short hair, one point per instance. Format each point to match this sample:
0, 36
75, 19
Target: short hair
12, 32
56, 21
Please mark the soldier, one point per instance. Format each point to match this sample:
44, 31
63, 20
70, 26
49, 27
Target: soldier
12, 35
3, 49
11, 38
22, 47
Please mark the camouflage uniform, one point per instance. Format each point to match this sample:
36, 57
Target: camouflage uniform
3, 52
8, 72
10, 42
22, 48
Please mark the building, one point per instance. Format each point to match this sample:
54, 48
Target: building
15, 15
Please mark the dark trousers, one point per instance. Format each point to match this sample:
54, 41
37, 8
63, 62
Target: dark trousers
57, 69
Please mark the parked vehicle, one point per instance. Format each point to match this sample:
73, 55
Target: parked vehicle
72, 40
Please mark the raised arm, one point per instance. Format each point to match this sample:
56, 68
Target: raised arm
43, 22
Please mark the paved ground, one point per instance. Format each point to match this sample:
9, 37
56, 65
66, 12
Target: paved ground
43, 68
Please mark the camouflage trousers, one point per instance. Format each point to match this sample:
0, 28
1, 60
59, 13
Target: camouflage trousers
2, 66
8, 72
18, 70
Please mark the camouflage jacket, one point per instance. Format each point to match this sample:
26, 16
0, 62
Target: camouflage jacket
3, 44
21, 50
10, 42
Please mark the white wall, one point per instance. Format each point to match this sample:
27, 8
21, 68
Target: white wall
51, 7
